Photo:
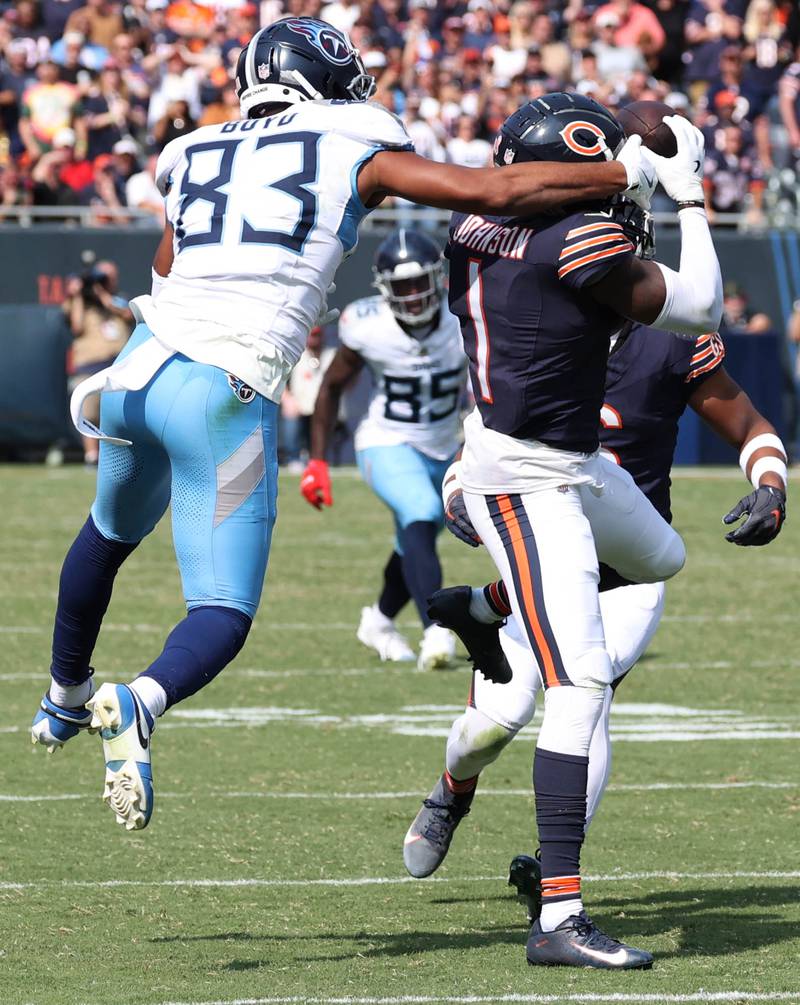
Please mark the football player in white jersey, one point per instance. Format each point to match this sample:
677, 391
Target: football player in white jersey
406, 441
260, 213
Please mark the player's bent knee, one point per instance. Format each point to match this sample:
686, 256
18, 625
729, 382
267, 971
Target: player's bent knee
593, 669
672, 558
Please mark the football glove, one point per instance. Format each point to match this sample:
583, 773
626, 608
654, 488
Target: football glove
315, 485
682, 175
327, 315
640, 170
457, 521
765, 510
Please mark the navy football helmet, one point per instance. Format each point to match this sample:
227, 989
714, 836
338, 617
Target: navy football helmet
409, 274
299, 59
559, 127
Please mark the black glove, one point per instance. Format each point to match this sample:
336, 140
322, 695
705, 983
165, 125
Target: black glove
765, 510
457, 521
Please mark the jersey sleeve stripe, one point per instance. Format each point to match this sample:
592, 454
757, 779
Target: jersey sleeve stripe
591, 227
700, 356
620, 249
711, 365
590, 243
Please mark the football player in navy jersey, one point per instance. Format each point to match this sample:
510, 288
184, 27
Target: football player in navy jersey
538, 300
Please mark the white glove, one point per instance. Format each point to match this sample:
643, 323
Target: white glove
327, 315
682, 175
640, 171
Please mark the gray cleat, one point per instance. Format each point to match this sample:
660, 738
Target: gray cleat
428, 839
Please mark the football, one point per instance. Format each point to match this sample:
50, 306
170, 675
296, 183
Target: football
644, 118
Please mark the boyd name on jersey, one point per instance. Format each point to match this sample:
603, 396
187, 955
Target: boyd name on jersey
418, 382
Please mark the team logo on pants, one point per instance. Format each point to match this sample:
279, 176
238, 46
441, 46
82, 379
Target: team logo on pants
243, 391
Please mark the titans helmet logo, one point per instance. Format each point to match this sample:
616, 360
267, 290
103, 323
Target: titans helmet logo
331, 43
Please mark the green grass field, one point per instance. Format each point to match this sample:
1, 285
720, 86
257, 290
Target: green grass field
272, 870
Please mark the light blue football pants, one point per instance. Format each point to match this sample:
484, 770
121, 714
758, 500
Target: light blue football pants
196, 442
407, 481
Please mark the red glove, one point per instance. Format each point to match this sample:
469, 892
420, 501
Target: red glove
315, 485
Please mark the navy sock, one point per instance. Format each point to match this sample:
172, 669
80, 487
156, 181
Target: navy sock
394, 595
560, 784
421, 568
197, 649
84, 592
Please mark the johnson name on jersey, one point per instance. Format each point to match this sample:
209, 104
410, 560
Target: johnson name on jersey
537, 342
418, 383
650, 377
262, 211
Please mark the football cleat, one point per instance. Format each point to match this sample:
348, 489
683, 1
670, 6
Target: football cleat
125, 726
525, 873
428, 839
53, 724
450, 608
377, 632
437, 649
578, 942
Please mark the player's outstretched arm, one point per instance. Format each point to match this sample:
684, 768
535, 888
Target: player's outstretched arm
724, 406
162, 260
315, 484
514, 190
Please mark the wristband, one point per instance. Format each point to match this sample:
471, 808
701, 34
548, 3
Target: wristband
765, 464
451, 482
691, 204
757, 443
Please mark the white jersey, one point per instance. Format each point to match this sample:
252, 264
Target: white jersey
263, 211
418, 384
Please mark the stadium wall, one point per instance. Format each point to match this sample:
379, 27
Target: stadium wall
36, 261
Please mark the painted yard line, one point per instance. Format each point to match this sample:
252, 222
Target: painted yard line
376, 880
411, 794
590, 998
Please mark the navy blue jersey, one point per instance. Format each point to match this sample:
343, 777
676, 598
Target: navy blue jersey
649, 380
536, 340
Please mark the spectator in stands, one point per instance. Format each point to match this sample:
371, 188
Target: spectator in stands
789, 103
109, 112
732, 175
766, 53
139, 186
711, 26
614, 62
299, 398
13, 192
101, 322
736, 315
637, 25
61, 176
99, 21
465, 148
15, 79
75, 60
176, 122
48, 107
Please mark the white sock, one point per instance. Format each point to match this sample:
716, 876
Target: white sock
480, 608
71, 695
553, 914
151, 694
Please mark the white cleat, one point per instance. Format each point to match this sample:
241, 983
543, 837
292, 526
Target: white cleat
437, 649
378, 632
125, 727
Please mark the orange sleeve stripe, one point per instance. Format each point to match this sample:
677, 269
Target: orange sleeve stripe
589, 243
608, 225
704, 354
703, 369
528, 600
618, 249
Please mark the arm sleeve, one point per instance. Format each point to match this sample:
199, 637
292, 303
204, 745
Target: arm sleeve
591, 248
707, 357
347, 331
693, 301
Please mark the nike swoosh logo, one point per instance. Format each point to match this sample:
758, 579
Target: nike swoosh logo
777, 514
696, 167
620, 956
142, 738
411, 838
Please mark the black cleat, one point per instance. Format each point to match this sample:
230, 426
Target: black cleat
450, 608
525, 873
578, 942
428, 839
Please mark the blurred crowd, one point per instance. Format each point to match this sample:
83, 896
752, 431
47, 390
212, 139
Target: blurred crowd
92, 90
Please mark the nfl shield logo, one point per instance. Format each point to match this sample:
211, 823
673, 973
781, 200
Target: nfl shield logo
263, 71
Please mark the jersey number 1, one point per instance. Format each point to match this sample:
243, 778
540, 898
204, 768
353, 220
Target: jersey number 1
211, 192
478, 317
